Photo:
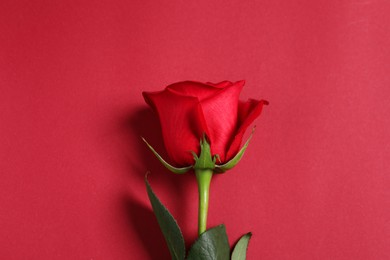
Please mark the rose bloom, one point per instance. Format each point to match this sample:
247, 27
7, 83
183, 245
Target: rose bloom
188, 110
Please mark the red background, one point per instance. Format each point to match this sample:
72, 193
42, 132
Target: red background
314, 183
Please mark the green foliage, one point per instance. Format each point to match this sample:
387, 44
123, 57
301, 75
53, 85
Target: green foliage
205, 161
168, 225
239, 252
211, 245
167, 165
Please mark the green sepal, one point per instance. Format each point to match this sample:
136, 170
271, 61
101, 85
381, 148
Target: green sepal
233, 162
204, 161
239, 251
211, 245
168, 225
167, 165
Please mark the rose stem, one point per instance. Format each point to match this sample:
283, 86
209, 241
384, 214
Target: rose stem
203, 177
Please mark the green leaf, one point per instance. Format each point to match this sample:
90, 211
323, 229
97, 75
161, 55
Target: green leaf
168, 225
167, 165
211, 245
233, 162
239, 252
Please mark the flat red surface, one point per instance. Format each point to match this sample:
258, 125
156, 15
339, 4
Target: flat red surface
314, 183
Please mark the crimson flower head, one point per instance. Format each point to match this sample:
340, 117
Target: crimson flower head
189, 110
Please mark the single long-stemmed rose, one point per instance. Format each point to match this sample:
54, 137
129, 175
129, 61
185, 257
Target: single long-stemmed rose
203, 126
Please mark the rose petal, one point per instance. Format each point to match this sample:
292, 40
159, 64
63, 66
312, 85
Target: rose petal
222, 84
181, 121
194, 89
247, 113
220, 112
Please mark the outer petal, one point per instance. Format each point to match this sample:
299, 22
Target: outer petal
247, 113
194, 89
181, 122
222, 84
221, 115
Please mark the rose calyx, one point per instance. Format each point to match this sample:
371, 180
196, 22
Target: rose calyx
205, 160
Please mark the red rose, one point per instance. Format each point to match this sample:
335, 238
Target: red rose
188, 109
